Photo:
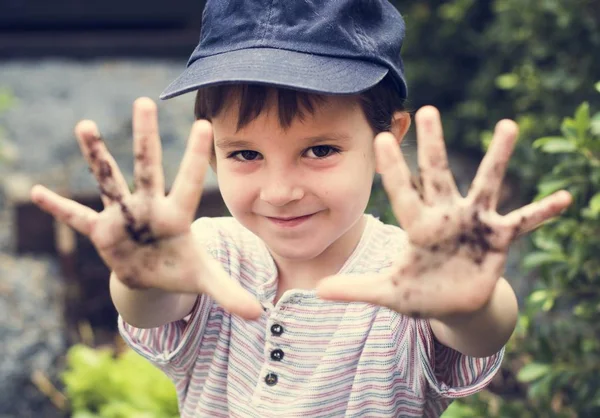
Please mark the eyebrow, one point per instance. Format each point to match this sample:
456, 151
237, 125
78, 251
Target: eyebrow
227, 142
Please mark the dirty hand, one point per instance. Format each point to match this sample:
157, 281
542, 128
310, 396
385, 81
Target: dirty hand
457, 245
145, 237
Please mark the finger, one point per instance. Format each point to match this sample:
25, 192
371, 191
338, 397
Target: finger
77, 216
189, 182
438, 182
396, 178
228, 293
488, 180
532, 215
377, 289
113, 186
148, 172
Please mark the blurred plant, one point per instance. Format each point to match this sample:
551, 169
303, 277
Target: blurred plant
482, 61
7, 100
100, 384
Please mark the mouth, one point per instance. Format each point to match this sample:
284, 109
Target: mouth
290, 221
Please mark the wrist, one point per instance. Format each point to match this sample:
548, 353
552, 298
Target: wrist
462, 319
483, 332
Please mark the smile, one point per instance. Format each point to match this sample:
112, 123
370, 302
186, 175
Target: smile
290, 222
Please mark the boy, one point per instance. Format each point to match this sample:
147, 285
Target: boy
300, 304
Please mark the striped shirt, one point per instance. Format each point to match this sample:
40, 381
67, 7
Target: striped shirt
306, 357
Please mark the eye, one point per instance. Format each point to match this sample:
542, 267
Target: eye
244, 155
322, 151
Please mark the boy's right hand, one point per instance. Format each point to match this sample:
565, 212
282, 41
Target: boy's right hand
145, 237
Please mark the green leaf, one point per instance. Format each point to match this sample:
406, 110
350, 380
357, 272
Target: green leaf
568, 128
548, 304
533, 371
538, 143
548, 187
540, 388
545, 242
460, 410
597, 86
538, 296
595, 203
507, 81
558, 145
6, 99
582, 119
126, 386
486, 140
540, 258
595, 124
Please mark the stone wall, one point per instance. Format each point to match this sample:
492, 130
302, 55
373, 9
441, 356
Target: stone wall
50, 97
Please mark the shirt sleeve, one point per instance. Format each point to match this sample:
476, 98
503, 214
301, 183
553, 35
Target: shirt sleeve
173, 347
451, 374
170, 347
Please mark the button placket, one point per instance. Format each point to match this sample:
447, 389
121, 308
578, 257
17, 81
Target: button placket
273, 343
272, 351
276, 353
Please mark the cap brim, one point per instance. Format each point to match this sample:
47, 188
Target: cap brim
278, 67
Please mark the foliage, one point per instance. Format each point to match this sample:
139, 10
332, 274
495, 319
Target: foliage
100, 384
558, 335
482, 61
6, 102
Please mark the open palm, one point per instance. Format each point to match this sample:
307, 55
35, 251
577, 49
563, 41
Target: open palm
145, 237
457, 246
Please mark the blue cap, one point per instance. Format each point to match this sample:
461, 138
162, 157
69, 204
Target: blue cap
321, 46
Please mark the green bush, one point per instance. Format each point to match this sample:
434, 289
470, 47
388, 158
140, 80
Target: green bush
482, 61
100, 384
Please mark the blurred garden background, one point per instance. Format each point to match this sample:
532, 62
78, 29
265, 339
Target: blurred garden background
537, 62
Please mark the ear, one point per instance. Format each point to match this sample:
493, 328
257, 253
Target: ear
213, 159
400, 125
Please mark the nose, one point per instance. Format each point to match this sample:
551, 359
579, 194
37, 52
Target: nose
280, 189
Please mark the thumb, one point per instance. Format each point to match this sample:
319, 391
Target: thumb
228, 293
377, 289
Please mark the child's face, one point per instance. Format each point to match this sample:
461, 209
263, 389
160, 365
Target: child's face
318, 172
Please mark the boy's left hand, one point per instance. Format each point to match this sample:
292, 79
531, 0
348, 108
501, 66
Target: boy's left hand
457, 246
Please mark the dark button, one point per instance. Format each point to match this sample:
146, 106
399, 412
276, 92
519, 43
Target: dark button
271, 379
276, 329
276, 355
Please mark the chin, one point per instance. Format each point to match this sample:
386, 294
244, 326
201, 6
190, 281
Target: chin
297, 251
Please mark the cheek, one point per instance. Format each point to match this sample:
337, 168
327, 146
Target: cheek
350, 187
236, 192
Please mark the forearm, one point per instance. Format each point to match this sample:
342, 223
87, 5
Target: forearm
149, 308
484, 332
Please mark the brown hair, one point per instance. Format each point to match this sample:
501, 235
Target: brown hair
378, 103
